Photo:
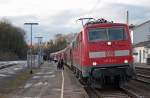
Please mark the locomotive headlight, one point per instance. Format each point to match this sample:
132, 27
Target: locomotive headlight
94, 63
126, 61
109, 43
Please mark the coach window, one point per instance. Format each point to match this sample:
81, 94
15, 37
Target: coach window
73, 44
77, 40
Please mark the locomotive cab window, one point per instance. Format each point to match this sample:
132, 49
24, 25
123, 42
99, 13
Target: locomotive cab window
116, 34
104, 34
97, 34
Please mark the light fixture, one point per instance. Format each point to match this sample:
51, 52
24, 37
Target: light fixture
109, 43
94, 63
126, 61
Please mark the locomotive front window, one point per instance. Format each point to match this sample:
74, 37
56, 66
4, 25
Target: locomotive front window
103, 34
116, 34
97, 34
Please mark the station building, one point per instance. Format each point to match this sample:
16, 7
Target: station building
141, 52
140, 36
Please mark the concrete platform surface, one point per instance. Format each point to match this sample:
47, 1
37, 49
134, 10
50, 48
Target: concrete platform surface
51, 83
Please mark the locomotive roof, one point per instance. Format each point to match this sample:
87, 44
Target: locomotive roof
104, 24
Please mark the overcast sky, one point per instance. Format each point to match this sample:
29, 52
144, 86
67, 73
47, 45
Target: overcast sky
59, 16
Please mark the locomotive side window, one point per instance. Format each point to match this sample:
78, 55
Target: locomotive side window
80, 36
76, 42
97, 34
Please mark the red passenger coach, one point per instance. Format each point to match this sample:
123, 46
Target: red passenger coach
58, 55
68, 57
102, 51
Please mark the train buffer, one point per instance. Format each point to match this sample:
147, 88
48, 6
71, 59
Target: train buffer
51, 83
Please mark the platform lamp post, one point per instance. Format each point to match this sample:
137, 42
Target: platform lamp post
31, 24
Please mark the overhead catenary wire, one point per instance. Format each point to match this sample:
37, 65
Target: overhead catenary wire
89, 12
94, 7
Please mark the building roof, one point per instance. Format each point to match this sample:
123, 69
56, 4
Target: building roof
142, 44
131, 26
142, 24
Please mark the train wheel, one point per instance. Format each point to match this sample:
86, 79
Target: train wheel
82, 80
77, 73
89, 81
74, 70
71, 67
95, 83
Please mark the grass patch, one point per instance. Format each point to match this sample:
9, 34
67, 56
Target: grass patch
11, 84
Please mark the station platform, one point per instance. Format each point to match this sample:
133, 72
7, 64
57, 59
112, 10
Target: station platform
51, 83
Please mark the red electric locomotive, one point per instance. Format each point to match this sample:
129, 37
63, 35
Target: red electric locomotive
102, 53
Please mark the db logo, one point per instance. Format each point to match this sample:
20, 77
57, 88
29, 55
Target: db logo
109, 53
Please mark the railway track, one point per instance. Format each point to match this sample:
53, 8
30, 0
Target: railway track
138, 88
133, 89
2, 66
143, 74
143, 78
127, 91
109, 93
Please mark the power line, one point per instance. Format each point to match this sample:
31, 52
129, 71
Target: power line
94, 7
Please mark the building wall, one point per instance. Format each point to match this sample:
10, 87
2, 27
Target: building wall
131, 35
141, 54
140, 33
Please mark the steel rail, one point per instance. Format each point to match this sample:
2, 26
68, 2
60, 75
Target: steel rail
7, 65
